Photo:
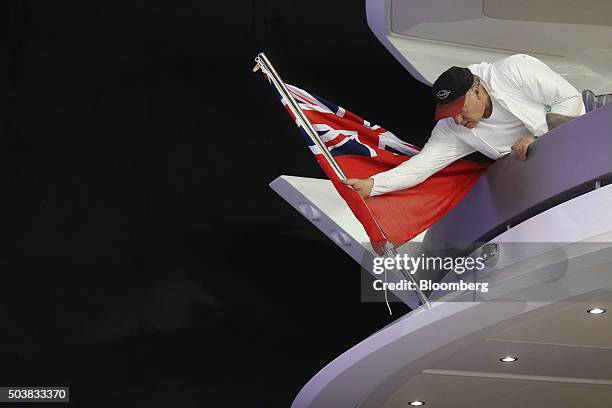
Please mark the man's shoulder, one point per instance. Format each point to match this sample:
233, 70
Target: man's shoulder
517, 59
507, 73
516, 65
512, 61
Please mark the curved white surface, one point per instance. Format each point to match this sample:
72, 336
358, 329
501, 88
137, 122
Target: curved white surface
428, 37
447, 342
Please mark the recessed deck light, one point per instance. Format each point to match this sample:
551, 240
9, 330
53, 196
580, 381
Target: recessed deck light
508, 359
417, 403
596, 310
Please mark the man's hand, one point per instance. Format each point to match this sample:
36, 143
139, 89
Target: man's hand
521, 146
362, 186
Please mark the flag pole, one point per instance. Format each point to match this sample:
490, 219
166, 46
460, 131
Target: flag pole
262, 62
391, 252
265, 65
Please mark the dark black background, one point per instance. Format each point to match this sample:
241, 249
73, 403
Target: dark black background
145, 261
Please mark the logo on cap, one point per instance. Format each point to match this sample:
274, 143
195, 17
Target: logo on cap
442, 94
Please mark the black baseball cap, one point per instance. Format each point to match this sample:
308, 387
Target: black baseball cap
449, 91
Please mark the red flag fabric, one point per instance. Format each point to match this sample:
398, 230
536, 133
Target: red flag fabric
362, 150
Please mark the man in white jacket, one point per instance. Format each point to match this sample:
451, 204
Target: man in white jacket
494, 108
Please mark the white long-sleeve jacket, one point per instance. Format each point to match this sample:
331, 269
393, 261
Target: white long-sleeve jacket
521, 87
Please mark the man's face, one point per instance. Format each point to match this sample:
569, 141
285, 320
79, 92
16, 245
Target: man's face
473, 108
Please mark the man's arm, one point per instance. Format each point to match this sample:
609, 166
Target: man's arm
443, 148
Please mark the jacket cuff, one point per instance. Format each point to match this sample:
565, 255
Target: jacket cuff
377, 187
